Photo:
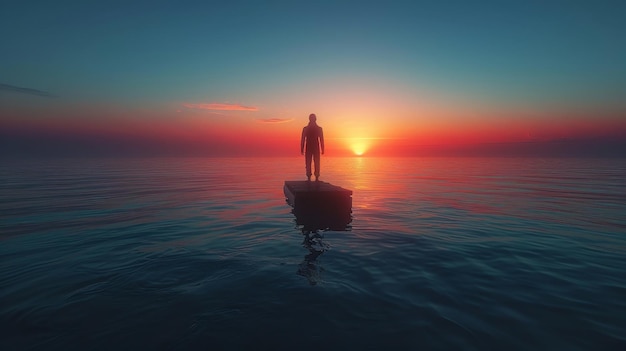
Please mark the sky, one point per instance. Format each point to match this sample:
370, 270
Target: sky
240, 78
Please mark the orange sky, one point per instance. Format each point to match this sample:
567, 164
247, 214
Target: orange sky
380, 126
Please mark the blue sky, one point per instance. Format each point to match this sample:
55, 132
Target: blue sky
564, 50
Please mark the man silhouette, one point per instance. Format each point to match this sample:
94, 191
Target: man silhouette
313, 137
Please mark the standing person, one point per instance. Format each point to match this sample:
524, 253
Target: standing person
313, 137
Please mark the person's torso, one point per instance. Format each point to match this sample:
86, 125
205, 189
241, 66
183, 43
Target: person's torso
312, 133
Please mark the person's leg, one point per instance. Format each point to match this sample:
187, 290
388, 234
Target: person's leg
308, 156
317, 157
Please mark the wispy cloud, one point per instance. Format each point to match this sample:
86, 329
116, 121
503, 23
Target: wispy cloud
220, 107
28, 91
274, 120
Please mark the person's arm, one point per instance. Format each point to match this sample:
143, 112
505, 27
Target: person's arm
322, 139
302, 140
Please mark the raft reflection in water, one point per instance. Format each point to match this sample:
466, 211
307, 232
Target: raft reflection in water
313, 223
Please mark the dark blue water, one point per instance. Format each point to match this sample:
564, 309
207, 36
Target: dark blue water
199, 254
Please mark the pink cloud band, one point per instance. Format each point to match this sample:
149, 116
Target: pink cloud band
220, 107
275, 120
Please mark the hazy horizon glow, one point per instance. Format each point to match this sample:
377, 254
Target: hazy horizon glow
399, 79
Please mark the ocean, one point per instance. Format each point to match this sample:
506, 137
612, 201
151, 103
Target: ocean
205, 254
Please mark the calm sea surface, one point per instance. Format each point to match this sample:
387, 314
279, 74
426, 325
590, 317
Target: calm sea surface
205, 254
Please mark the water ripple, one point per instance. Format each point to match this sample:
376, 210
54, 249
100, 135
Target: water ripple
187, 254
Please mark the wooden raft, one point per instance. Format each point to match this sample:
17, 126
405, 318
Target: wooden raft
319, 205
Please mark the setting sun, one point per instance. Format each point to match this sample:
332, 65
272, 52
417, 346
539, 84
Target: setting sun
359, 145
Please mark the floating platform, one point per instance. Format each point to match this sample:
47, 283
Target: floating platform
319, 205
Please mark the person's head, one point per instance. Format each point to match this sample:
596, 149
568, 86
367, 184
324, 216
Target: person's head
312, 118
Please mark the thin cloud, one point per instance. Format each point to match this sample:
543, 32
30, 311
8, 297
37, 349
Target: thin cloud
274, 120
27, 91
220, 107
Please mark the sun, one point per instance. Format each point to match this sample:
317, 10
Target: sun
359, 146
